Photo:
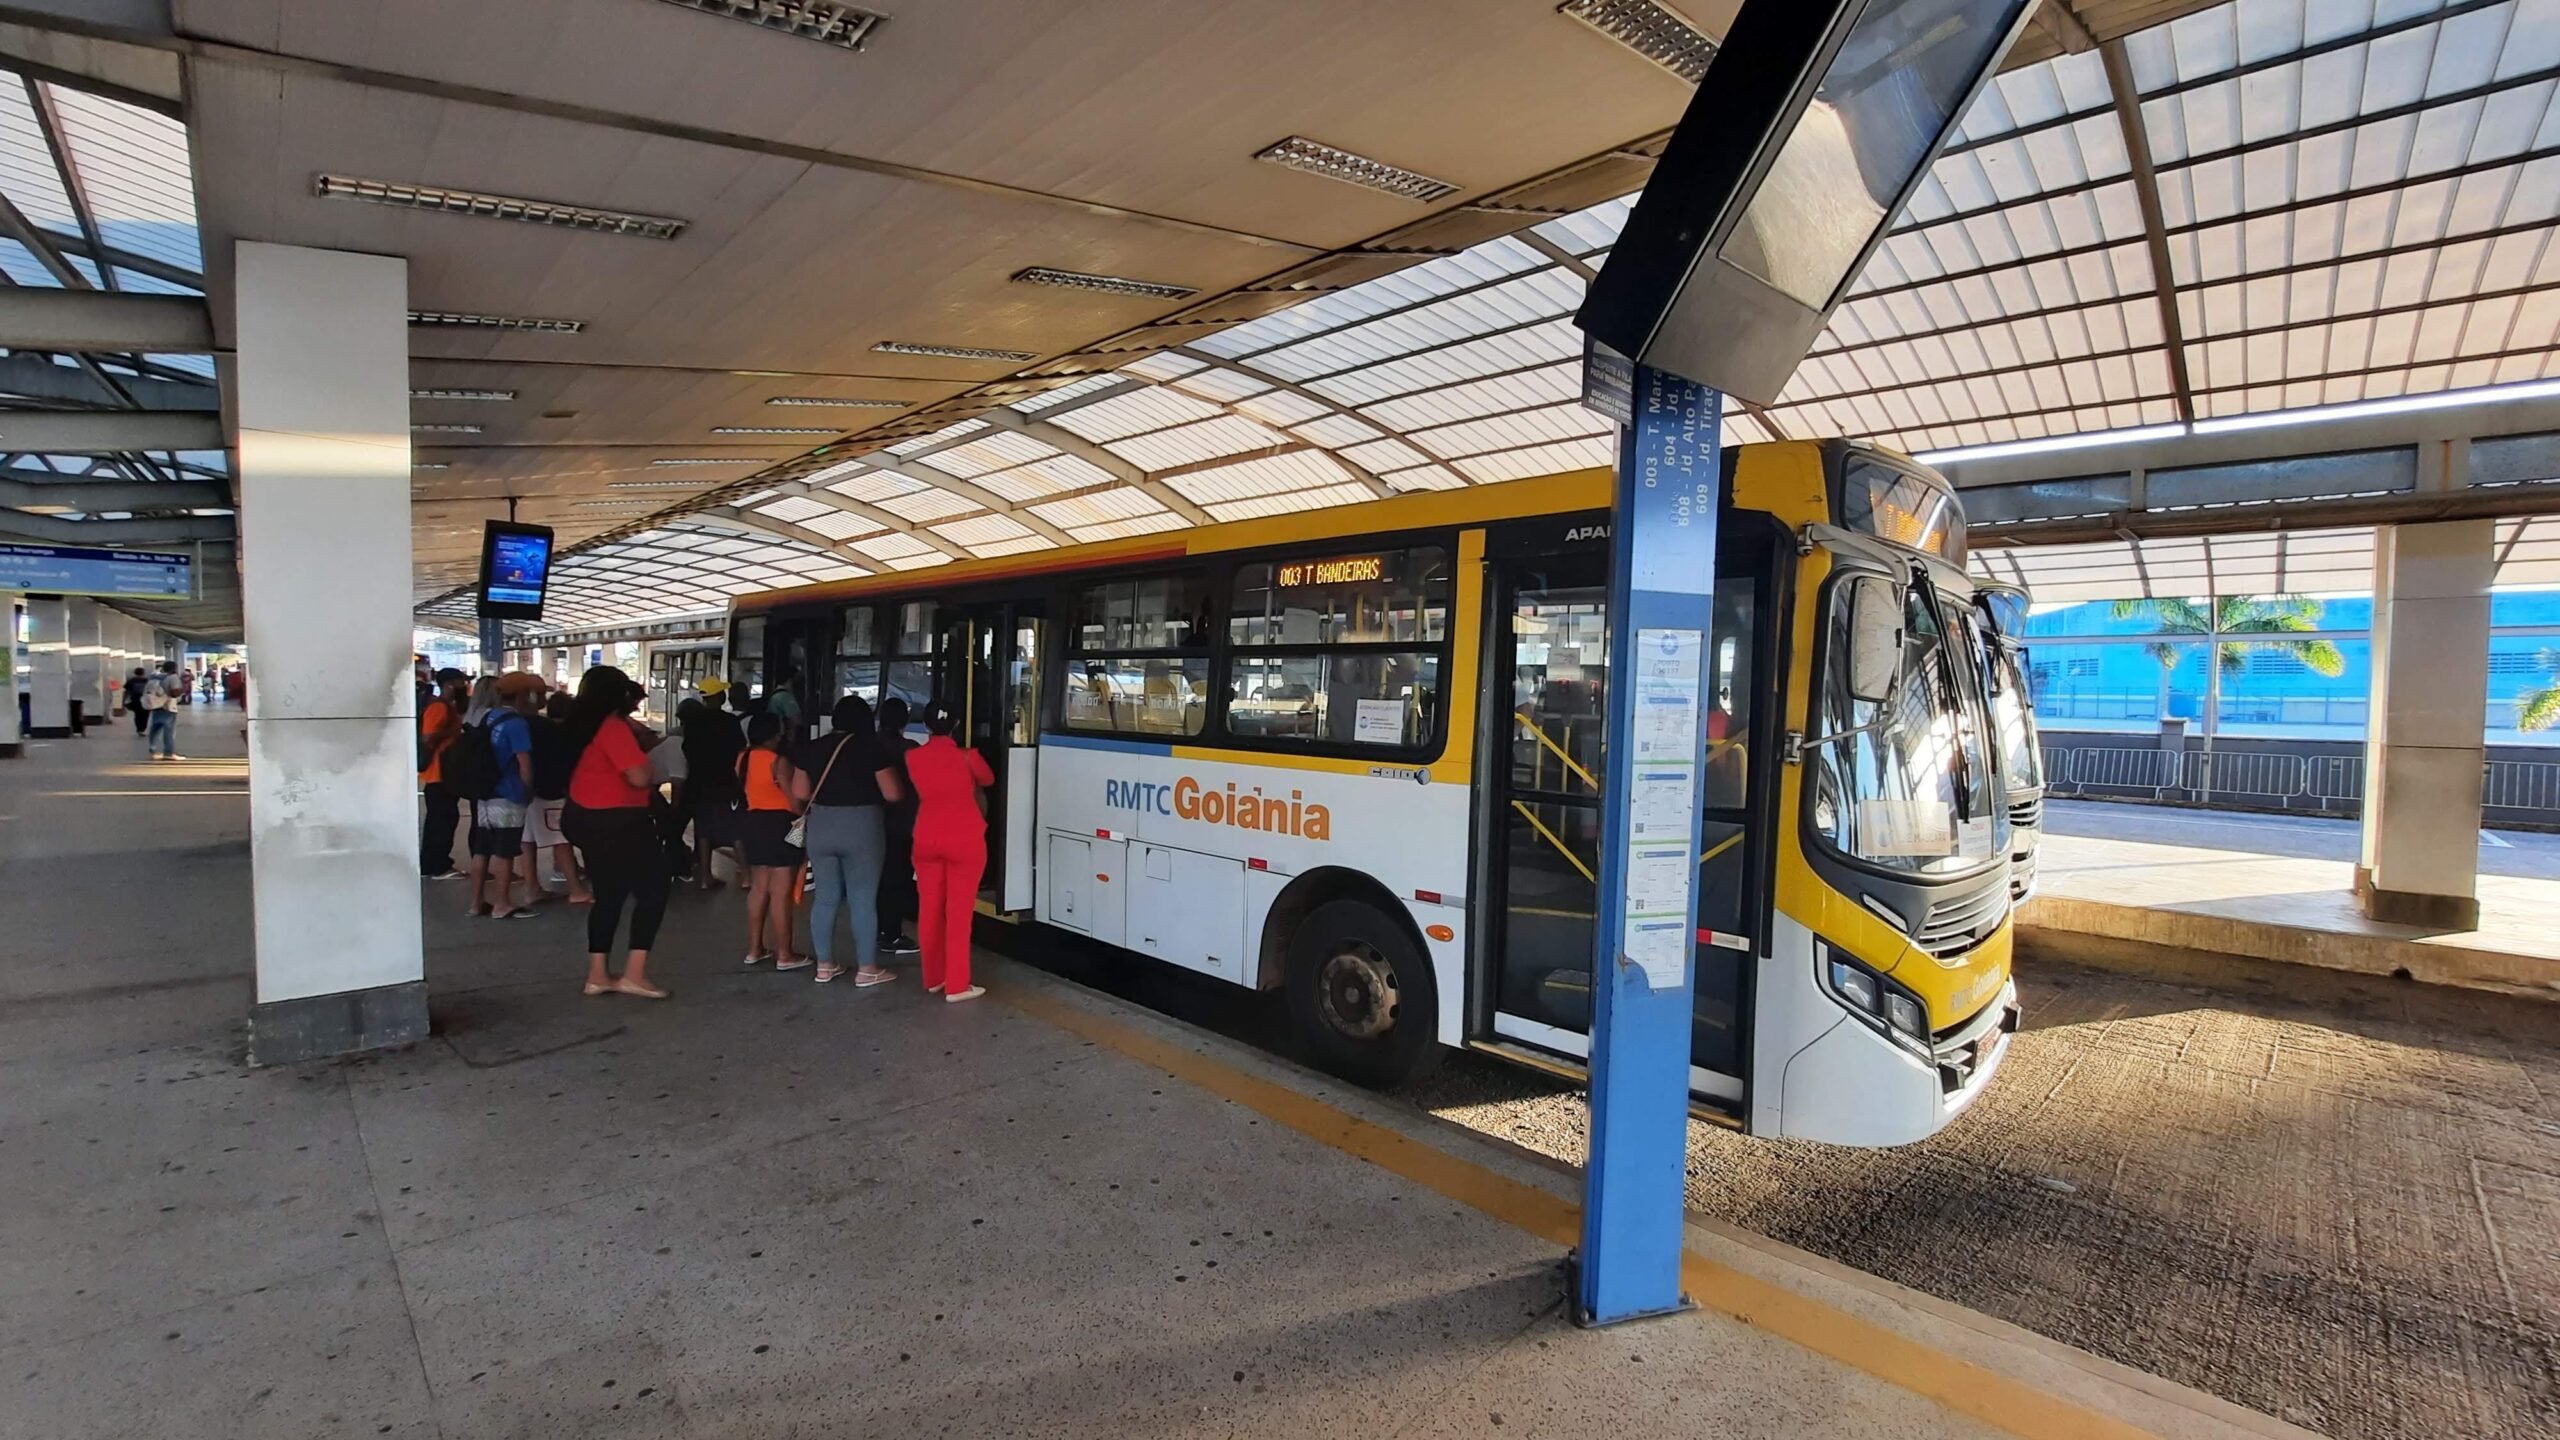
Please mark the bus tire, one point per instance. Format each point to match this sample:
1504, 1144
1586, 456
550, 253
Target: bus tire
1361, 994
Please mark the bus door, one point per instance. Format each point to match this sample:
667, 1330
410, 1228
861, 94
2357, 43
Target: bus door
1543, 811
987, 669
790, 643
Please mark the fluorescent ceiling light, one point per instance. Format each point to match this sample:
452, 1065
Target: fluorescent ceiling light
1107, 284
495, 207
429, 465
653, 485
774, 430
1650, 29
612, 504
2043, 447
494, 395
842, 26
1317, 158
713, 460
838, 404
466, 320
2397, 405
435, 429
950, 352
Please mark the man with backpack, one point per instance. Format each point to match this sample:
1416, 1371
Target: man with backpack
159, 700
489, 766
134, 685
438, 724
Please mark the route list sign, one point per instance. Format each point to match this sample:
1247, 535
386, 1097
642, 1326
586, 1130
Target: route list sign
71, 570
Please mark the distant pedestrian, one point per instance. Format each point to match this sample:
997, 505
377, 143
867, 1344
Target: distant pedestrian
898, 861
553, 761
764, 777
134, 685
161, 699
437, 725
951, 850
608, 819
847, 785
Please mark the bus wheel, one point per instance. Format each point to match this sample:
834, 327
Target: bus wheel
1361, 993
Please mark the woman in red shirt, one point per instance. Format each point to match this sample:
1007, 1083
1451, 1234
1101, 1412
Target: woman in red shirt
951, 851
607, 817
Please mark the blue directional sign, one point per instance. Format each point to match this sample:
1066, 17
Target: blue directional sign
70, 570
1662, 579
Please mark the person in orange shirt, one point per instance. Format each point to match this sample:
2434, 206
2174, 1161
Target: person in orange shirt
438, 724
951, 850
764, 777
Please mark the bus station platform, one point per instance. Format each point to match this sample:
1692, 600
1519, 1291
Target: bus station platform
766, 1207
2183, 893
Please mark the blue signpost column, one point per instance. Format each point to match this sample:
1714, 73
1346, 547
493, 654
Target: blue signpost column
1661, 600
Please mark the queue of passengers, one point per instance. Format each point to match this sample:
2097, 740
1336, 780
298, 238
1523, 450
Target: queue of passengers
873, 827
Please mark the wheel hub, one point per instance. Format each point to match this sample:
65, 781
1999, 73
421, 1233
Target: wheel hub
1357, 990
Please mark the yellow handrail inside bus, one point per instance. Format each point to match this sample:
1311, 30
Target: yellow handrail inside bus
1549, 743
1561, 848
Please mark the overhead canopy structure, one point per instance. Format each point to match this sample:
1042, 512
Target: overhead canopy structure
2251, 207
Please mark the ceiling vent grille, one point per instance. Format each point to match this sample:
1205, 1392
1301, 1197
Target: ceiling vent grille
1107, 284
827, 400
842, 26
951, 352
774, 430
1650, 29
493, 395
463, 319
496, 207
1316, 158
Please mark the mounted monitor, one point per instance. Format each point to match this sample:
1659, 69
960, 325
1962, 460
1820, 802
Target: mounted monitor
1814, 124
515, 568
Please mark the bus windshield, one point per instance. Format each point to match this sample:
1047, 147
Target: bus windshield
1908, 782
2021, 761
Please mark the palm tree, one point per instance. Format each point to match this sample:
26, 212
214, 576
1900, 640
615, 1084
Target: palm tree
2539, 709
2261, 619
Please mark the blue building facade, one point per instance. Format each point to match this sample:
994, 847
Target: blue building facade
2091, 670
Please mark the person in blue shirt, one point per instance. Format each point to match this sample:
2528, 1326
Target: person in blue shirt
497, 823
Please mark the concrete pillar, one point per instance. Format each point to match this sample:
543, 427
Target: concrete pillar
323, 399
2424, 738
49, 666
88, 646
13, 673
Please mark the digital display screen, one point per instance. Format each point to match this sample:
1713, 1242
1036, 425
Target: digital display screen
1888, 94
515, 567
1340, 570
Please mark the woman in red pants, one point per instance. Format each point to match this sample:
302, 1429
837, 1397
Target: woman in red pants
951, 851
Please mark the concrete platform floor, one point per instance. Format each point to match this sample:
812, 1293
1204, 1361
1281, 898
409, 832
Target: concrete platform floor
770, 1208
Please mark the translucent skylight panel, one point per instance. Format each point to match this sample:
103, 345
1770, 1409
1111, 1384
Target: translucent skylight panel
1510, 432
1540, 460
1221, 386
1281, 407
1588, 230
928, 505
1381, 456
998, 450
1474, 268
27, 173
1425, 477
1289, 503
1034, 404
1130, 529
1101, 506
794, 508
133, 166
1191, 444
1154, 408
838, 525
1518, 302
891, 546
1020, 545
1335, 431
875, 486
947, 432
981, 530
1484, 397
1301, 471
1545, 344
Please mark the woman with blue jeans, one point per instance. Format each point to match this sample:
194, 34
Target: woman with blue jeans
845, 783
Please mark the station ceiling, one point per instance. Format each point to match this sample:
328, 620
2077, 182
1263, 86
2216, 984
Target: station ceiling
2352, 199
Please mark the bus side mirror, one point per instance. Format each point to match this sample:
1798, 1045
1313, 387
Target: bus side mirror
1875, 637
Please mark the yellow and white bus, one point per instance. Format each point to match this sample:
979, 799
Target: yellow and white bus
1355, 755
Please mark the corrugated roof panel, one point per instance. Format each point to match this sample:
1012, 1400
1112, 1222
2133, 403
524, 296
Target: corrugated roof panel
1154, 408
1044, 477
1191, 444
1100, 508
1302, 471
928, 505
1289, 503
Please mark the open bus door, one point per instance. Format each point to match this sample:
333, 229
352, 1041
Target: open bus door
1547, 686
987, 669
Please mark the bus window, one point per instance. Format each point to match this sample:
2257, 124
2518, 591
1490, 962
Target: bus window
746, 657
1386, 697
908, 674
858, 652
1328, 649
1141, 662
1729, 706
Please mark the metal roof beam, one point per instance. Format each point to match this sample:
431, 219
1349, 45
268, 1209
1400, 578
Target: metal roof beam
74, 188
1368, 479
74, 321
977, 495
106, 432
33, 377
24, 488
119, 534
1068, 442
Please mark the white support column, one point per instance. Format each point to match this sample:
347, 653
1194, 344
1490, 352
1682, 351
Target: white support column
323, 396
13, 677
2424, 740
49, 666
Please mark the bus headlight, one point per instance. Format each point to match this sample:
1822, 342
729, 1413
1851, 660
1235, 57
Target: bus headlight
1875, 999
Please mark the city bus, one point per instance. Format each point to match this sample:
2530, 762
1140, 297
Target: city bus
1355, 756
2013, 717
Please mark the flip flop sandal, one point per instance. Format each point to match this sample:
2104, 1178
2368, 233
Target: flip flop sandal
876, 977
645, 992
828, 973
803, 963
